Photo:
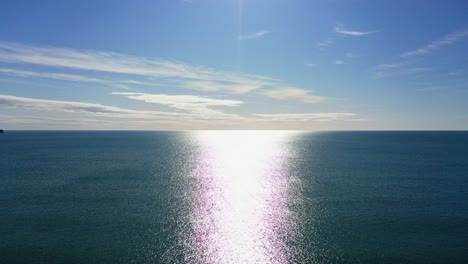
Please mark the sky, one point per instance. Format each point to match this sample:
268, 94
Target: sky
234, 64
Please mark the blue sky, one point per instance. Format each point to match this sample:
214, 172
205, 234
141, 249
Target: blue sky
234, 64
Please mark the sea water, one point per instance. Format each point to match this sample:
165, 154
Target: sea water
233, 197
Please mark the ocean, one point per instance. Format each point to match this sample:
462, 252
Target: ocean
233, 197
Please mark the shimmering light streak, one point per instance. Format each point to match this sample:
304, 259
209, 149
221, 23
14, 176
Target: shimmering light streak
240, 205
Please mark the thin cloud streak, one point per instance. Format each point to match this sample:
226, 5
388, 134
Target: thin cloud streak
291, 93
41, 120
258, 34
400, 69
341, 30
303, 117
445, 41
235, 88
389, 66
397, 69
98, 109
432, 89
351, 55
60, 76
190, 103
339, 62
325, 43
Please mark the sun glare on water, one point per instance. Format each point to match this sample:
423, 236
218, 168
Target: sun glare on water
240, 209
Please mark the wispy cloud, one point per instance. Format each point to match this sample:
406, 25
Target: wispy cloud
41, 120
154, 71
339, 62
190, 103
458, 72
94, 109
99, 116
291, 93
397, 69
117, 63
433, 89
310, 65
61, 76
303, 117
445, 41
402, 68
211, 86
389, 66
67, 106
258, 34
324, 44
339, 28
351, 55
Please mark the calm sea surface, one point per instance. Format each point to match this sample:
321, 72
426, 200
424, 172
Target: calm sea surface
233, 197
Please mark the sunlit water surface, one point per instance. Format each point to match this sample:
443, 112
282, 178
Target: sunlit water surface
233, 197
239, 210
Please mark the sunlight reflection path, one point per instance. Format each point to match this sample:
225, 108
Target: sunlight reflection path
239, 211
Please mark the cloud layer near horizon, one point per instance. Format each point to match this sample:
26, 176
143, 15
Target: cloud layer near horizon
126, 75
193, 110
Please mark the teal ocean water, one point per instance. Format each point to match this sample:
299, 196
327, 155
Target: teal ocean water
233, 197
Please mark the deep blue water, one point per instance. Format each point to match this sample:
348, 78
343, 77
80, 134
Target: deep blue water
233, 197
